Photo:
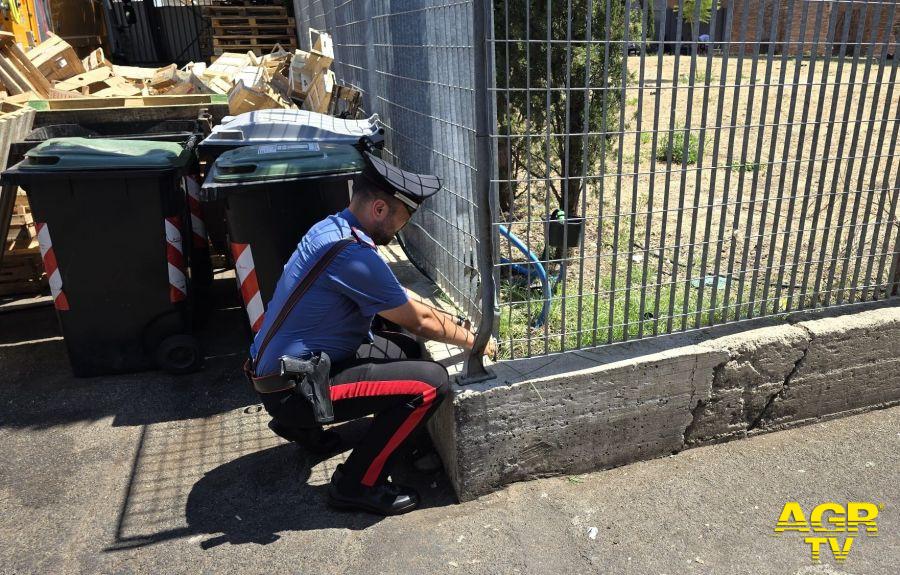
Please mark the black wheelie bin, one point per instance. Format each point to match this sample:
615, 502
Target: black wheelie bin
112, 220
186, 132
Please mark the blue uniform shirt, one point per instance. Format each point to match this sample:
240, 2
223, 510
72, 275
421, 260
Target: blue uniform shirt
336, 313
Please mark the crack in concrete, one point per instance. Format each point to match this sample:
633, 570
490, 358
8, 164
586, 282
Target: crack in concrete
695, 414
787, 380
697, 409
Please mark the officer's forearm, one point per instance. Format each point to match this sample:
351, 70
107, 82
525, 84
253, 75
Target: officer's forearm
440, 326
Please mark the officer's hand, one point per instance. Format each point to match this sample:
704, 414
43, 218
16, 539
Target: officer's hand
490, 349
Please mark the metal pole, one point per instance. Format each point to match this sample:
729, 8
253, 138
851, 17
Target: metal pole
485, 182
895, 275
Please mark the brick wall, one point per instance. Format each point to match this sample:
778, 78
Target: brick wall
758, 24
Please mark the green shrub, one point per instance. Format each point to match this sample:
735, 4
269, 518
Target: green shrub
540, 64
747, 167
678, 157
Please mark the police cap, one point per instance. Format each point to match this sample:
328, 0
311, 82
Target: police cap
411, 189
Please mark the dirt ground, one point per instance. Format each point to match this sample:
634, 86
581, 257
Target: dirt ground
792, 199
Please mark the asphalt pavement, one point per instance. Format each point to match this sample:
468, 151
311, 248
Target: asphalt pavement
151, 473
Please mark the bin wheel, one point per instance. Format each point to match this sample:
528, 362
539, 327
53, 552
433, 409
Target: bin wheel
179, 354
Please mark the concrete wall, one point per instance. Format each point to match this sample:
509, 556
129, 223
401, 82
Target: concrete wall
589, 410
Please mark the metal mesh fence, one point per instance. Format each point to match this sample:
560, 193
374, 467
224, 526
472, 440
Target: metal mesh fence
659, 165
413, 61
654, 180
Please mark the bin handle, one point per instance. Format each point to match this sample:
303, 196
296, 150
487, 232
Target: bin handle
43, 160
244, 169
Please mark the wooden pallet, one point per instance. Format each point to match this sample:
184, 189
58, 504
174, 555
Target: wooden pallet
226, 22
231, 31
245, 11
22, 234
258, 45
243, 28
22, 270
15, 123
238, 42
22, 273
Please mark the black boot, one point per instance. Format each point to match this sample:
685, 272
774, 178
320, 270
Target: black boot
316, 440
382, 499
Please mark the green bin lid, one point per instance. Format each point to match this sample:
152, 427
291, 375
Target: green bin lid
285, 161
66, 154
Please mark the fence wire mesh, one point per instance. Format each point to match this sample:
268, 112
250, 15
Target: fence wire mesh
413, 62
652, 180
661, 165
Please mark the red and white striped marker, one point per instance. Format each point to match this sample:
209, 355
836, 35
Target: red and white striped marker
175, 258
198, 225
51, 268
246, 277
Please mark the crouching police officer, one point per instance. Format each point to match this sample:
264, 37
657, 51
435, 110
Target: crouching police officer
316, 361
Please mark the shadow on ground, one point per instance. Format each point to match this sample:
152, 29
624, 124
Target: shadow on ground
37, 389
252, 498
192, 455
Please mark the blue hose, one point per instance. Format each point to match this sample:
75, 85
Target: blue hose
539, 268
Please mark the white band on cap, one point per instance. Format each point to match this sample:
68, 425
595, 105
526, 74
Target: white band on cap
406, 200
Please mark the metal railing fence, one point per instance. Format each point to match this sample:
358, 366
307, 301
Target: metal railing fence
743, 165
648, 166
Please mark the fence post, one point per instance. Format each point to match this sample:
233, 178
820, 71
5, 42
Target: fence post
485, 180
894, 284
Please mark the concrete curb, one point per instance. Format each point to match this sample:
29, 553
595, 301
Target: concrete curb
587, 410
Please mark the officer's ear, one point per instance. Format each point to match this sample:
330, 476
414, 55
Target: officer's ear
381, 209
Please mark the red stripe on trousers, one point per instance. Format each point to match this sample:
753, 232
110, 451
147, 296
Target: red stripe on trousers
389, 387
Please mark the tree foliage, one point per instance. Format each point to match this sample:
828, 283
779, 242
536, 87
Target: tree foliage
690, 10
558, 78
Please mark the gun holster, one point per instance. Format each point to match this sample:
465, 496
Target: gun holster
312, 379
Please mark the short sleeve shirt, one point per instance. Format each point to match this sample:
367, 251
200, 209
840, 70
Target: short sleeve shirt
335, 314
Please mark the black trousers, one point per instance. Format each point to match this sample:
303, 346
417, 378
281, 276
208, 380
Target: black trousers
387, 378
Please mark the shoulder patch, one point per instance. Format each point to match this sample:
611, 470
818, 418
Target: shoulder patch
362, 237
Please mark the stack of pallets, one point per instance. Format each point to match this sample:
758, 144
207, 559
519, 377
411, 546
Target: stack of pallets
22, 271
250, 28
21, 268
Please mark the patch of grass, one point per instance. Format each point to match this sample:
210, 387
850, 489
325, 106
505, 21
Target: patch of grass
646, 137
746, 167
608, 317
699, 78
678, 147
